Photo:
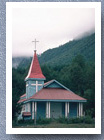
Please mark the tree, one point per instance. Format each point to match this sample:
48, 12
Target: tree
18, 88
77, 75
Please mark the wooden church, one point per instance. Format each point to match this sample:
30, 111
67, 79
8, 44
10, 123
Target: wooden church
47, 100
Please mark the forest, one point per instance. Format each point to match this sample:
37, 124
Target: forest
78, 74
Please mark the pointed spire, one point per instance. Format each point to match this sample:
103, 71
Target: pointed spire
35, 70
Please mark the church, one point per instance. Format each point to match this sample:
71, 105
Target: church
47, 99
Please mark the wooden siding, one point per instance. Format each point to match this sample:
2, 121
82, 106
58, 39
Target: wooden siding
31, 89
54, 85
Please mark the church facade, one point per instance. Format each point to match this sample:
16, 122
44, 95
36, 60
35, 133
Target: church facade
48, 100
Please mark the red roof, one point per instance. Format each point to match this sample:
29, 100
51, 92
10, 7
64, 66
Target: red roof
26, 114
21, 100
24, 95
35, 70
56, 94
48, 82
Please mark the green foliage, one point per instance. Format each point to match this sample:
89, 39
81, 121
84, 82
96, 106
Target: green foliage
44, 121
62, 120
18, 89
74, 120
64, 54
26, 122
89, 120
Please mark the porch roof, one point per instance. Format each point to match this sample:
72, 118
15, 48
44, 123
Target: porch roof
54, 94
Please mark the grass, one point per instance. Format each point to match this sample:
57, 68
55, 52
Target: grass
55, 124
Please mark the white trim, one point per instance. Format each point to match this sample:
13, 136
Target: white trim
33, 84
35, 107
79, 110
32, 110
68, 109
36, 85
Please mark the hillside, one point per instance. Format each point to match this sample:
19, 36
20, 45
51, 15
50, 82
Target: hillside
64, 54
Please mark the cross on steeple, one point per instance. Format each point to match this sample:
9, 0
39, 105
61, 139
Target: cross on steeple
35, 41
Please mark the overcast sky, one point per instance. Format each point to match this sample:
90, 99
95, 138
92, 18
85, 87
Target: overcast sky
50, 26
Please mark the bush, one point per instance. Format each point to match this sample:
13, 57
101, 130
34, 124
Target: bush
25, 121
75, 120
44, 121
87, 120
62, 120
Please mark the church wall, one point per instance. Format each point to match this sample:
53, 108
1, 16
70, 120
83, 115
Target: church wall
30, 90
41, 82
31, 87
40, 87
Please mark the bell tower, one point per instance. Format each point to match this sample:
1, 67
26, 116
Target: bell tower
35, 78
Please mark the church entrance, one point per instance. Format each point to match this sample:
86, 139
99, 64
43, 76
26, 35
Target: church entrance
55, 110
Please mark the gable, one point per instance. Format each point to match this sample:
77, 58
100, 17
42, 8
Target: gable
54, 85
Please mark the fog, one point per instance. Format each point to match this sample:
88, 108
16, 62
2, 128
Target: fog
52, 27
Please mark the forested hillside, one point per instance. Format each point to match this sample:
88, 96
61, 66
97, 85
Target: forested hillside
64, 54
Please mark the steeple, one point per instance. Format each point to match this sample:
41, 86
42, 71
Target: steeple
35, 70
35, 78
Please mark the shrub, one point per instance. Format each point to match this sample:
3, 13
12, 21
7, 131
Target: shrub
44, 121
25, 121
62, 120
89, 120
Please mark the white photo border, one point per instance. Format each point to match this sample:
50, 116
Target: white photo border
9, 7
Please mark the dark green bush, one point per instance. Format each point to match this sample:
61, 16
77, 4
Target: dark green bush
25, 121
87, 120
44, 121
62, 120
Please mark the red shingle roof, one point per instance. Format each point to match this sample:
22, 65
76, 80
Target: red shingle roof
48, 82
35, 70
24, 95
56, 94
21, 100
